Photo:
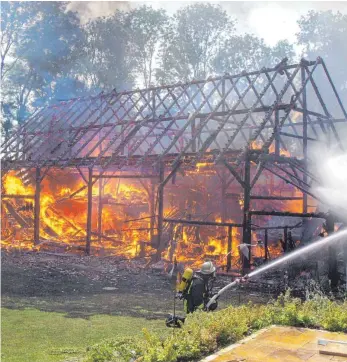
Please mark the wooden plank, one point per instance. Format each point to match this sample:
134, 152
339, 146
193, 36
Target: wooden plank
333, 353
16, 216
8, 196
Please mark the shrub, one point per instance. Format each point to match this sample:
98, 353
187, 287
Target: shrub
115, 350
203, 332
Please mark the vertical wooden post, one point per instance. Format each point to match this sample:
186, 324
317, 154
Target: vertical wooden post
153, 104
246, 216
223, 95
285, 237
101, 189
89, 210
230, 236
265, 244
160, 209
37, 207
223, 198
199, 137
277, 138
304, 135
193, 134
151, 210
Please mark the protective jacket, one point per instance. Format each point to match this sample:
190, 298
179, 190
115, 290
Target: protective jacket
195, 294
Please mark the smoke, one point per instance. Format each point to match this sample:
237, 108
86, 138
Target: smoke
332, 171
250, 16
89, 10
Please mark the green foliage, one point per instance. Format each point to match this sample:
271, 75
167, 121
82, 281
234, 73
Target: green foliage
120, 350
188, 49
323, 33
203, 332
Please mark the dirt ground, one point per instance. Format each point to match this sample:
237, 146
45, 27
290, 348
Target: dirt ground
81, 286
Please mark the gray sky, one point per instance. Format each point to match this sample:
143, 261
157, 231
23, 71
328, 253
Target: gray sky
272, 21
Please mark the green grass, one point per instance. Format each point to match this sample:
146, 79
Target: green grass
35, 336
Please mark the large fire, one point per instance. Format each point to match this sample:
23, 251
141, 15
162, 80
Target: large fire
124, 221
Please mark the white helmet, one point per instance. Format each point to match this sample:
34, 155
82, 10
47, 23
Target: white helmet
207, 268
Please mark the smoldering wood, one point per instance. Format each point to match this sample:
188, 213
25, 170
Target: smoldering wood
15, 215
197, 222
258, 197
89, 210
125, 176
285, 213
9, 196
37, 206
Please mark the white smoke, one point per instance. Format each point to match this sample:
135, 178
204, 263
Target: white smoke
332, 171
91, 10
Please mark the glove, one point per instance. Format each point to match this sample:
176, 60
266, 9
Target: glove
179, 295
244, 279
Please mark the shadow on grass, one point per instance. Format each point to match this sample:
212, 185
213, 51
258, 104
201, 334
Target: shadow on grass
132, 305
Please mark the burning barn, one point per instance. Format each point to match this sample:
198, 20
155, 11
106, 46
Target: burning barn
184, 171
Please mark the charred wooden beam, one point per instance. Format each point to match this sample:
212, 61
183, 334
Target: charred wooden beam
233, 172
78, 191
81, 174
37, 207
334, 89
100, 205
277, 134
258, 197
108, 238
285, 213
280, 227
124, 176
299, 137
171, 174
203, 223
230, 236
15, 214
272, 158
152, 209
89, 210
232, 195
304, 135
266, 244
308, 112
8, 196
247, 217
160, 209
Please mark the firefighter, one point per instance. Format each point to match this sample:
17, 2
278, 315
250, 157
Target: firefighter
196, 291
195, 288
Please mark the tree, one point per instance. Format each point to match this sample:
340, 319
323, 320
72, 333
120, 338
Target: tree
191, 42
105, 63
40, 43
323, 33
248, 52
15, 17
145, 28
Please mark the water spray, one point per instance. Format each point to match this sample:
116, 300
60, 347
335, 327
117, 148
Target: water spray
299, 252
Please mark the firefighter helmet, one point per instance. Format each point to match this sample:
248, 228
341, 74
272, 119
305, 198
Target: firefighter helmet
207, 268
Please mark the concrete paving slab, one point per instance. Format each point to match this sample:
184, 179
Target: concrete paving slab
281, 344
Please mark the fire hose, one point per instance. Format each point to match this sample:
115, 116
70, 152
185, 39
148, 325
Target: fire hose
227, 287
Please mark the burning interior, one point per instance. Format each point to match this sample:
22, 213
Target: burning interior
186, 171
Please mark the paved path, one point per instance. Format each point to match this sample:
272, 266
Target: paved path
282, 344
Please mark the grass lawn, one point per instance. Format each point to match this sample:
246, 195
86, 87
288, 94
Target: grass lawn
35, 336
